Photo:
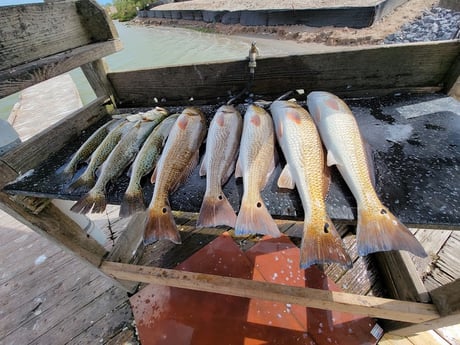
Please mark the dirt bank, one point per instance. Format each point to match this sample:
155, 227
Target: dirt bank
302, 34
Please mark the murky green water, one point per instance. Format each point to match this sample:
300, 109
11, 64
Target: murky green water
146, 47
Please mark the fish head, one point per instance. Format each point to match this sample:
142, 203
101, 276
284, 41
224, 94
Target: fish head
154, 114
286, 113
226, 114
255, 116
322, 104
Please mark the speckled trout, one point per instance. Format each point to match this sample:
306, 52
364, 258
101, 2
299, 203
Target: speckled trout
377, 229
88, 147
122, 155
222, 144
255, 164
133, 199
305, 169
180, 156
88, 178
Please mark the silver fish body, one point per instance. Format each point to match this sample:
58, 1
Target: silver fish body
218, 164
377, 229
255, 164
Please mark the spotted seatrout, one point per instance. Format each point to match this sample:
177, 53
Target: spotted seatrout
222, 144
377, 229
255, 164
305, 169
118, 160
133, 199
180, 156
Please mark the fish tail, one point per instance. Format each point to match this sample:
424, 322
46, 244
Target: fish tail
133, 201
91, 200
84, 182
322, 244
382, 231
255, 219
160, 225
216, 210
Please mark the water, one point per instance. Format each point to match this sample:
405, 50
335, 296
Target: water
147, 47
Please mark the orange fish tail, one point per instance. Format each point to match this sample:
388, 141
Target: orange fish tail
255, 219
382, 231
91, 200
322, 244
160, 225
132, 202
216, 210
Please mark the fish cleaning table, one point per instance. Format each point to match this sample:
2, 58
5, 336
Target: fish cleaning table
398, 94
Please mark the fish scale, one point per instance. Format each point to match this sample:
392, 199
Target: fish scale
377, 228
302, 148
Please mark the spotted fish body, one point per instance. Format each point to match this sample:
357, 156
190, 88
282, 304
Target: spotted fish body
180, 155
377, 229
218, 164
255, 164
88, 147
302, 148
121, 156
88, 178
133, 200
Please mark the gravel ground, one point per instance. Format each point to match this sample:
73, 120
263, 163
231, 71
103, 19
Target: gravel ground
435, 24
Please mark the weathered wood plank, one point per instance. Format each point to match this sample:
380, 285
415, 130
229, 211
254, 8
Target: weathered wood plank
349, 72
340, 301
35, 31
18, 78
28, 155
402, 279
447, 298
96, 73
427, 325
88, 313
104, 328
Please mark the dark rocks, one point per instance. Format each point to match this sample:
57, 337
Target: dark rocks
436, 24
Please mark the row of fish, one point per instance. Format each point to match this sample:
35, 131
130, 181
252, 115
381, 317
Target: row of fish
246, 147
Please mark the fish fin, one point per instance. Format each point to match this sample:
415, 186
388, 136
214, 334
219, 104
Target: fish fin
83, 183
285, 180
326, 180
331, 159
186, 172
322, 244
370, 161
154, 175
133, 201
91, 201
160, 225
255, 219
271, 167
230, 170
382, 231
203, 166
216, 210
238, 170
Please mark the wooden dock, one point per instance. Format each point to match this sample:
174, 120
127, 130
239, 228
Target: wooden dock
50, 297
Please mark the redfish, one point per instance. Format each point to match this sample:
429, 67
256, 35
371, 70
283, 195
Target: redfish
377, 228
255, 164
305, 169
222, 144
179, 158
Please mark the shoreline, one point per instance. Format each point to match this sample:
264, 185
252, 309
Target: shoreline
330, 36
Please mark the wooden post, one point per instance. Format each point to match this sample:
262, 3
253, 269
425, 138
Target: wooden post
447, 300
